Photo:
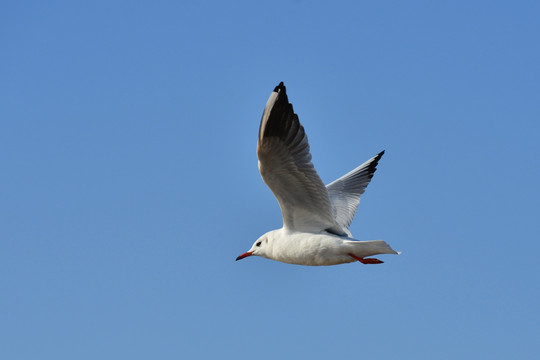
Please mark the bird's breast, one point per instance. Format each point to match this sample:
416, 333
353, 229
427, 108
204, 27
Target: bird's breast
310, 249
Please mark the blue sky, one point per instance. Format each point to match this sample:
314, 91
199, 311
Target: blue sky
129, 178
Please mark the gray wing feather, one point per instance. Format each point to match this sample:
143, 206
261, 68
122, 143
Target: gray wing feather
345, 192
285, 166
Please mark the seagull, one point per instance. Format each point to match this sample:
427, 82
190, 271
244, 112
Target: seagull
316, 218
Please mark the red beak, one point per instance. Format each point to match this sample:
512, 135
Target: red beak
244, 255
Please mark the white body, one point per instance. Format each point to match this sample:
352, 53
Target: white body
316, 249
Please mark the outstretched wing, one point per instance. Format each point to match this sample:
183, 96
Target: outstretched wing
345, 192
285, 166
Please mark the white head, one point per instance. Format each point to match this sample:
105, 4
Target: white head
262, 247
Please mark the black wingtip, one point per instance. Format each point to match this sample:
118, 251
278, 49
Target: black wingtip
280, 87
373, 166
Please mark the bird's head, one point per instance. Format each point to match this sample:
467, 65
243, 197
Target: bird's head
261, 247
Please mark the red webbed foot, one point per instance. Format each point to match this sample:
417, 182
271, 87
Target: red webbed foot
366, 260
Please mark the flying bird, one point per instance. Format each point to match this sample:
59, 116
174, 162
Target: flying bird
316, 218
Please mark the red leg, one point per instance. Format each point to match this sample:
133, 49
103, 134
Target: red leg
366, 261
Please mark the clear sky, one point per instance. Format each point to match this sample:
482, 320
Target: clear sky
129, 179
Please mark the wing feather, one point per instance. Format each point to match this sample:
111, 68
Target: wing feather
346, 191
285, 166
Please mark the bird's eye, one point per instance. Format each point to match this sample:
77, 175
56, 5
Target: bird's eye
258, 244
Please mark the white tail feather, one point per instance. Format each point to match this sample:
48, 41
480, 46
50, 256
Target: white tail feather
370, 248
